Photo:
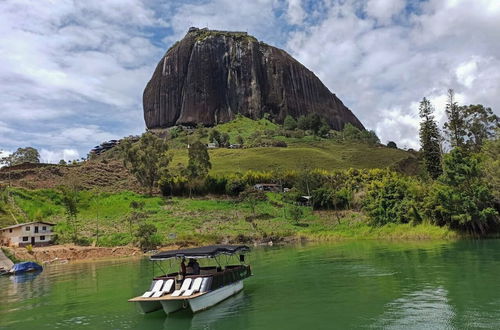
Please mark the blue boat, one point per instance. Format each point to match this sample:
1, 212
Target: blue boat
24, 267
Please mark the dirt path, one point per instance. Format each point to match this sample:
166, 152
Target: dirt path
67, 252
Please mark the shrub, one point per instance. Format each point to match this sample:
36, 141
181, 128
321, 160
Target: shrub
391, 200
146, 237
296, 213
392, 144
234, 186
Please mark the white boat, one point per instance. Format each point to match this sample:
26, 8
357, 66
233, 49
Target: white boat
200, 287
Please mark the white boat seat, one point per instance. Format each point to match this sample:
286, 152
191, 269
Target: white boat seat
165, 289
154, 288
185, 285
205, 285
194, 288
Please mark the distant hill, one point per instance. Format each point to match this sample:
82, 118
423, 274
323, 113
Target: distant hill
210, 76
315, 152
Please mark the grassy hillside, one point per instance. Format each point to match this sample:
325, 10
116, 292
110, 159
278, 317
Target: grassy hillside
314, 151
321, 154
186, 221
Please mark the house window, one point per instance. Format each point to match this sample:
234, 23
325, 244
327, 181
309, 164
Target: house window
42, 238
27, 228
44, 228
25, 238
10, 230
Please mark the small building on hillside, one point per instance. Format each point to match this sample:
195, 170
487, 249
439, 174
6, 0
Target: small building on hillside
35, 233
268, 187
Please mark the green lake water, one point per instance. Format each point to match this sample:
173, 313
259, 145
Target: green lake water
403, 285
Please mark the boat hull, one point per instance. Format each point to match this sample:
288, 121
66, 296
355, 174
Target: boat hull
212, 298
204, 301
148, 306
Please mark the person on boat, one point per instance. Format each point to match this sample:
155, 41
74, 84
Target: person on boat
193, 267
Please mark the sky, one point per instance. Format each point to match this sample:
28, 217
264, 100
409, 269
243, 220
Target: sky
72, 73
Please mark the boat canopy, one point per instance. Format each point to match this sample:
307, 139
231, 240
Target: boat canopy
210, 251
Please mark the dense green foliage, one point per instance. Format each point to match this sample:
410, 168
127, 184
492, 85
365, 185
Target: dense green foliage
147, 159
461, 197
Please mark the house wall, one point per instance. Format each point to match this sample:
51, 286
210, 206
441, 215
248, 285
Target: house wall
25, 235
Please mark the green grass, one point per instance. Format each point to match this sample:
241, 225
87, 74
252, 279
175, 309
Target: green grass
244, 127
324, 154
185, 221
314, 151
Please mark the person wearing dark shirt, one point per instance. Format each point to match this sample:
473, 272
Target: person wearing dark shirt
193, 267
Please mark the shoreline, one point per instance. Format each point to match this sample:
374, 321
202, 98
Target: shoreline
61, 254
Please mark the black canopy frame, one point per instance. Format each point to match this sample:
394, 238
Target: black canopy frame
210, 251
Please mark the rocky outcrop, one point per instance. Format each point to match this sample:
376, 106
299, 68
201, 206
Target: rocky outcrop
210, 76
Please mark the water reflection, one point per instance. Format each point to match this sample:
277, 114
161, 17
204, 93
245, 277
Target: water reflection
24, 277
208, 319
418, 309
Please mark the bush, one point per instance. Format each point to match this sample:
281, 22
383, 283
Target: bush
392, 144
234, 186
296, 213
392, 200
146, 237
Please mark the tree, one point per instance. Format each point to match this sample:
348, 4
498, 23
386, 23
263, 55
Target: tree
147, 159
214, 136
392, 144
70, 200
136, 213
481, 124
290, 123
253, 197
224, 140
296, 213
303, 123
369, 137
462, 197
22, 155
351, 133
239, 140
62, 162
430, 139
198, 164
324, 130
145, 236
491, 164
455, 127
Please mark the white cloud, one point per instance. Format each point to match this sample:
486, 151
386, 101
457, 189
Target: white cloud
384, 10
51, 156
295, 12
382, 72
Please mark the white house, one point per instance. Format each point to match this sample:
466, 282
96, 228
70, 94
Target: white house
35, 233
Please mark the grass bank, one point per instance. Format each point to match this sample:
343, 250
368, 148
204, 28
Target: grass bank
108, 220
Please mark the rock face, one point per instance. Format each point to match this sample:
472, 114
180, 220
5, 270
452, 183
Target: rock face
211, 76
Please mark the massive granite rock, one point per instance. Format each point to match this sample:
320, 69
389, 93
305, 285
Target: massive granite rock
210, 76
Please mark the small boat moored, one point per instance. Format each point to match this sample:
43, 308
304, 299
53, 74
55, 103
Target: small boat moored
194, 287
25, 267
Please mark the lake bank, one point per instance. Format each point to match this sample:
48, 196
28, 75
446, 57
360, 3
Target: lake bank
346, 232
108, 221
